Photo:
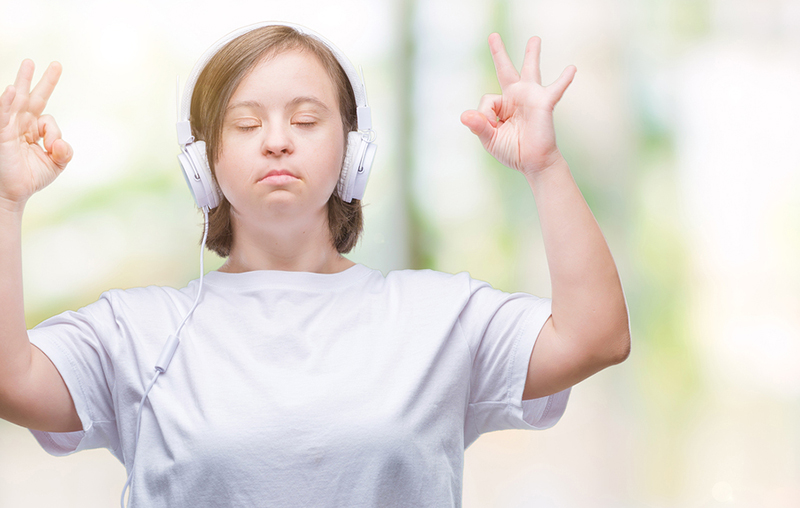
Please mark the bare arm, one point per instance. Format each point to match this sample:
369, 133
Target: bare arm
32, 393
588, 329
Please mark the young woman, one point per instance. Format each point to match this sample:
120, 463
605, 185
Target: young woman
292, 376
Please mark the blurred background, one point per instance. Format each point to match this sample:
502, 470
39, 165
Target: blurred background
680, 129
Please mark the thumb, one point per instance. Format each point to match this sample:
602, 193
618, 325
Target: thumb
61, 153
479, 125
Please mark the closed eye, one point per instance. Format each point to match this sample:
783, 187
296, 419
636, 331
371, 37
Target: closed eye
246, 128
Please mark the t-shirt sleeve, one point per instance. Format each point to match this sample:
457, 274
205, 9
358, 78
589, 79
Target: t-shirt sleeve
74, 342
501, 329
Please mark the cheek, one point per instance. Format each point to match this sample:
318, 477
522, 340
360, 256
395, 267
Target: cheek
222, 170
338, 159
231, 157
331, 154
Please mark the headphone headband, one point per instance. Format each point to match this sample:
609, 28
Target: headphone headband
362, 108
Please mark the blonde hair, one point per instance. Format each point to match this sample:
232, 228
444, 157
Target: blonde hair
212, 92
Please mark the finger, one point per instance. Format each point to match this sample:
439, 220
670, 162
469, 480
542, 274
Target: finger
530, 66
5, 105
479, 125
49, 131
561, 84
61, 154
24, 77
490, 107
44, 88
506, 72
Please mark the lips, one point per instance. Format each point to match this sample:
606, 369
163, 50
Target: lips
276, 172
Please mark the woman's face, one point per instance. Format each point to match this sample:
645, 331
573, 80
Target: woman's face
284, 116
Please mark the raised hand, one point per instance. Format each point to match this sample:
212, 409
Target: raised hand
26, 166
516, 127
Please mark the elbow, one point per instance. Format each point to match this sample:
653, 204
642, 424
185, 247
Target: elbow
612, 351
612, 348
607, 350
622, 347
618, 339
618, 343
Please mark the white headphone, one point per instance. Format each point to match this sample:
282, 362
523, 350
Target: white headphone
360, 144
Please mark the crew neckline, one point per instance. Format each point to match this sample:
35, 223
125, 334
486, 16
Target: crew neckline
277, 278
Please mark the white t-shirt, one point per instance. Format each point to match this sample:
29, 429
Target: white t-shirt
299, 389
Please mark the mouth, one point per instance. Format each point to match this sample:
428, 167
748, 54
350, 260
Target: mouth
275, 172
278, 176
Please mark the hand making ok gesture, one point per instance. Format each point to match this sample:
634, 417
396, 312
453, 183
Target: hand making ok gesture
516, 127
25, 165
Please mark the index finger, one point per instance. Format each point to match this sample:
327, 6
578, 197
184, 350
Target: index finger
23, 82
44, 88
506, 73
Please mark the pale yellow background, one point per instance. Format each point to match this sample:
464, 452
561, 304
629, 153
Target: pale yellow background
681, 128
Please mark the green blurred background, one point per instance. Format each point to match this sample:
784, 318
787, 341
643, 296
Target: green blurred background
680, 129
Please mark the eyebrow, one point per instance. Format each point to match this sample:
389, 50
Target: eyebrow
294, 102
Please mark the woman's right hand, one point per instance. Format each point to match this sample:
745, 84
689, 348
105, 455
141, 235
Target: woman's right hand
26, 167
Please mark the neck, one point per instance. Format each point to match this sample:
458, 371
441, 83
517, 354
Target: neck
292, 247
332, 264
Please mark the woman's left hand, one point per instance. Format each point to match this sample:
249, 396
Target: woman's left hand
516, 127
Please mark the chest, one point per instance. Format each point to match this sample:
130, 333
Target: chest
322, 388
295, 393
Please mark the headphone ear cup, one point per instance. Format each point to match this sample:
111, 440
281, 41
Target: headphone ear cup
356, 167
197, 172
353, 140
363, 169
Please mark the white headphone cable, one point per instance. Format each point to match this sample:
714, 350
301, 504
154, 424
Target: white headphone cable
165, 358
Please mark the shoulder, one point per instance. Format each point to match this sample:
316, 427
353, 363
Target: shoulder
151, 300
430, 281
144, 294
461, 283
437, 289
427, 276
151, 292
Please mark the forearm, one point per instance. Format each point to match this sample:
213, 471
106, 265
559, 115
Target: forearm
588, 304
14, 344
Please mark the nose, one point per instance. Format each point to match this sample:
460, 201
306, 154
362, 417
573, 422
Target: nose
277, 140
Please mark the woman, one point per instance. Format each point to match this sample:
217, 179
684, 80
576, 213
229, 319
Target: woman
302, 378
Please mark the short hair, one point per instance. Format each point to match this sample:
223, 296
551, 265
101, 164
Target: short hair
212, 93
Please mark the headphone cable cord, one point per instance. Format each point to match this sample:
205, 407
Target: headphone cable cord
165, 358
